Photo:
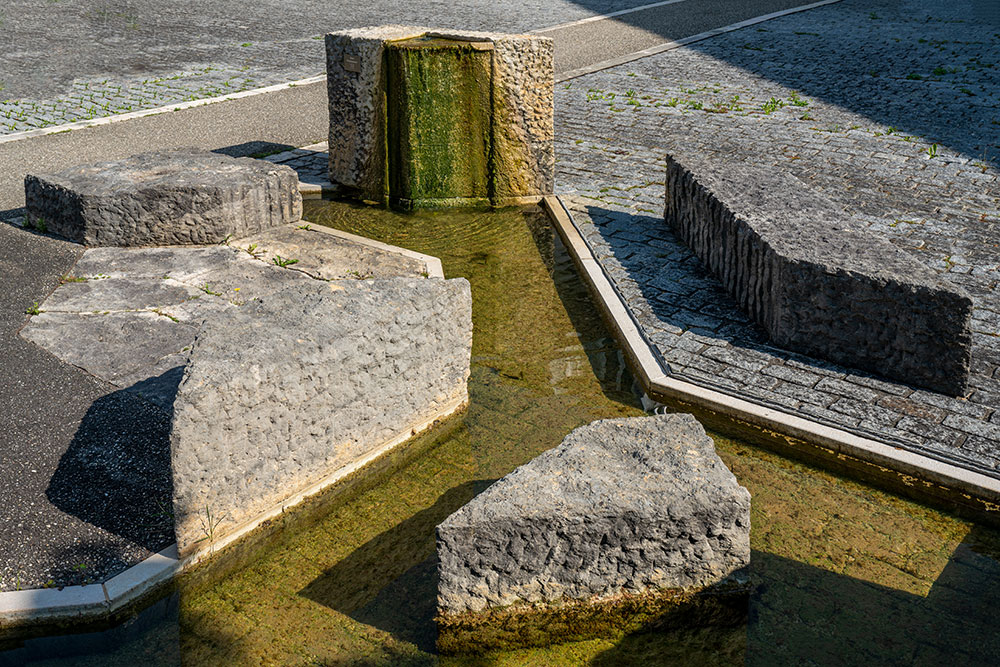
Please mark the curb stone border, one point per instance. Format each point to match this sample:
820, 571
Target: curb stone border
921, 476
92, 602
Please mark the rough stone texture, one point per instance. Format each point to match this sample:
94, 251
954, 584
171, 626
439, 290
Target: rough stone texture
183, 197
282, 393
523, 111
159, 296
816, 283
621, 506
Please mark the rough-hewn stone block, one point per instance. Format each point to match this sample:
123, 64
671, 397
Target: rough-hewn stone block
523, 157
817, 284
622, 506
183, 197
281, 394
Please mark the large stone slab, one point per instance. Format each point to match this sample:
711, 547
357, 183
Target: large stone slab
183, 197
285, 392
816, 284
621, 507
522, 154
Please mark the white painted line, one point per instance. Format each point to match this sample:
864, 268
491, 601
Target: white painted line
79, 125
655, 379
669, 46
601, 17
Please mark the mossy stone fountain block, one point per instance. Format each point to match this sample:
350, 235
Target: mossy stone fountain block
423, 117
438, 127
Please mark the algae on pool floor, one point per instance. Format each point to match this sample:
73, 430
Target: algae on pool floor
841, 569
843, 573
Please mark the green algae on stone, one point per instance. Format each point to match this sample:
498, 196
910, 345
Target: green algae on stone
534, 625
439, 122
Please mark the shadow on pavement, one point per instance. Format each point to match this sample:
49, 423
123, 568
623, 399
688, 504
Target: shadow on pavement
116, 472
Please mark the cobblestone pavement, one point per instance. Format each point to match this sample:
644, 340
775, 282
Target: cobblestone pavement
892, 109
63, 61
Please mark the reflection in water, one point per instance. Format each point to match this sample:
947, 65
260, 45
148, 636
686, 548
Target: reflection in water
844, 574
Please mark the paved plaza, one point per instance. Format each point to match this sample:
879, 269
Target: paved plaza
909, 149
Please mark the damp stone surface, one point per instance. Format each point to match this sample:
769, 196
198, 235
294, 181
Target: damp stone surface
181, 197
280, 394
816, 282
622, 506
507, 153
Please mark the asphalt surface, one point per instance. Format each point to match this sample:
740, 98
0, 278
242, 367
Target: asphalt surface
586, 43
69, 513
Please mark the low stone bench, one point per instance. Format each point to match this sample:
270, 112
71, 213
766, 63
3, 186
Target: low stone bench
183, 197
623, 512
816, 284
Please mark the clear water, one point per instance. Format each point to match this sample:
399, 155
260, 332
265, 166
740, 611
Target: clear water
844, 574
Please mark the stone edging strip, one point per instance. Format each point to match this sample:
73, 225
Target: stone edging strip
657, 381
81, 124
95, 601
669, 46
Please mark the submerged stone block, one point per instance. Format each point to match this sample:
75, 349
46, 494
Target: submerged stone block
430, 117
817, 284
182, 197
283, 393
623, 507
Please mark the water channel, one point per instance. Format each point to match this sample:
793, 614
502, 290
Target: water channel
843, 573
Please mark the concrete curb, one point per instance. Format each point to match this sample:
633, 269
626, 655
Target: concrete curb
927, 477
669, 46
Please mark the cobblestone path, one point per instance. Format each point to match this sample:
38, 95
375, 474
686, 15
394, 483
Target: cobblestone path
891, 109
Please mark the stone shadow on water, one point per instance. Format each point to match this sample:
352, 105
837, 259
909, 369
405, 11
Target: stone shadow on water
802, 614
116, 472
601, 348
390, 582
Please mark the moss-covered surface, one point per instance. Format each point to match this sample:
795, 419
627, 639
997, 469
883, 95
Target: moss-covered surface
439, 119
841, 573
521, 626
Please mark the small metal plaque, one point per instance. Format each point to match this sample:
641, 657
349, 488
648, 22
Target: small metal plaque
352, 63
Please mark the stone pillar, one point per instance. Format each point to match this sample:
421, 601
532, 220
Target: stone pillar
420, 117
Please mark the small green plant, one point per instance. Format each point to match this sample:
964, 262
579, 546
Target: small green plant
252, 250
207, 289
771, 106
66, 278
284, 261
932, 151
913, 76
32, 309
245, 44
166, 315
873, 16
939, 71
797, 101
305, 227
